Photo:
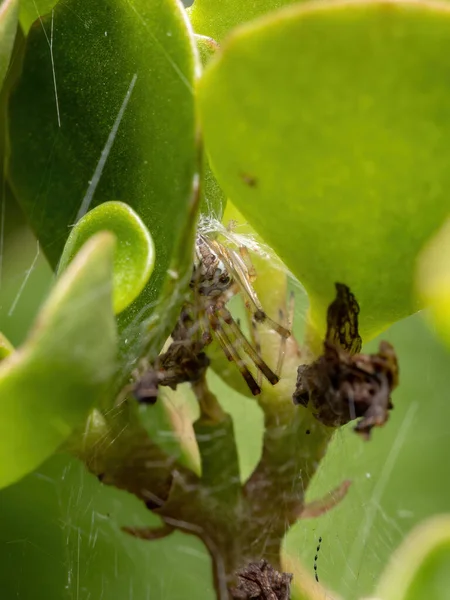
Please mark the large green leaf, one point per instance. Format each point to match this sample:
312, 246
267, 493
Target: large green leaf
327, 125
111, 117
48, 386
8, 26
216, 18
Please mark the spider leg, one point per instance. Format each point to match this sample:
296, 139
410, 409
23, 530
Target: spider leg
232, 354
237, 267
245, 272
204, 325
245, 255
247, 347
257, 344
289, 323
243, 269
261, 317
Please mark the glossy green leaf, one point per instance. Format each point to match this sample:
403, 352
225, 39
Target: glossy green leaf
216, 18
434, 280
112, 116
338, 157
48, 385
420, 568
134, 254
8, 26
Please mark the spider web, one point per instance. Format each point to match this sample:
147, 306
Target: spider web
60, 529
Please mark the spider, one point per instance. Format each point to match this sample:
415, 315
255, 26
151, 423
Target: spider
219, 273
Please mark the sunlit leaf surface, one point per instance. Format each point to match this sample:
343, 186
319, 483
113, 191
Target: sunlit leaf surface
215, 18
49, 384
338, 157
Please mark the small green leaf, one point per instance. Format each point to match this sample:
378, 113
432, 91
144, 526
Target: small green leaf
112, 116
134, 255
48, 385
8, 27
420, 568
338, 158
216, 18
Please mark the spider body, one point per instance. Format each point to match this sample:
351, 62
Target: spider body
219, 273
210, 277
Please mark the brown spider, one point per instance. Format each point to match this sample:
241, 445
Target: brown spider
219, 274
343, 384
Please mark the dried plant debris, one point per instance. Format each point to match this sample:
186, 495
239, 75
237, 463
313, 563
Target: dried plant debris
260, 581
342, 384
342, 321
219, 273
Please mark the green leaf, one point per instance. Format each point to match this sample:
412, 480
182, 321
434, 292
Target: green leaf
112, 116
304, 586
216, 18
338, 158
420, 568
134, 256
61, 517
6, 348
434, 280
32, 10
48, 386
8, 26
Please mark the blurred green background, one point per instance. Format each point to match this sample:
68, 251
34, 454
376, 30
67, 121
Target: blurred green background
60, 531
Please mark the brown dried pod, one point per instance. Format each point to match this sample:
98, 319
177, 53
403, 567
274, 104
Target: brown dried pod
260, 581
342, 384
